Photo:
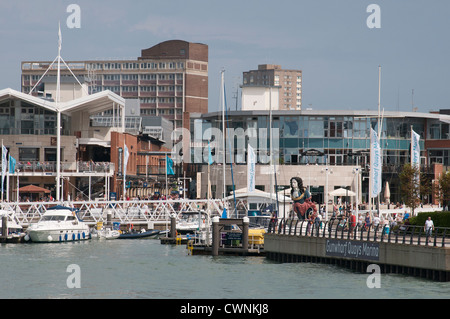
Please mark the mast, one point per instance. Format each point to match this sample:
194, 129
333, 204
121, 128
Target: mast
223, 132
270, 148
58, 118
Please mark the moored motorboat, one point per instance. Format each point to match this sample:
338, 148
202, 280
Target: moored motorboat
140, 234
190, 222
15, 232
58, 224
107, 233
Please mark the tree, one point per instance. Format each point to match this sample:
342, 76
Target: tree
442, 190
411, 189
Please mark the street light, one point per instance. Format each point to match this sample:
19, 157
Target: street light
327, 171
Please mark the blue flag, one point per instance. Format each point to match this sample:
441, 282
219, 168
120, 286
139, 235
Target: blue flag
12, 164
169, 166
224, 214
210, 160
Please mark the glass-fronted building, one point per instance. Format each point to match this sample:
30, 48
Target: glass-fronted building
327, 138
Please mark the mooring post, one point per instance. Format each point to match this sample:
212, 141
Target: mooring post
173, 227
4, 227
216, 236
245, 223
109, 219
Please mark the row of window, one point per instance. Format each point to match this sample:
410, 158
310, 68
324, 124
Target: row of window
135, 77
135, 65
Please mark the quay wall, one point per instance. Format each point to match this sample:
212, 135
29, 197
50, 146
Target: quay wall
418, 260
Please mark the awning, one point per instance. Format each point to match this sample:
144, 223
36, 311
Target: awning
33, 189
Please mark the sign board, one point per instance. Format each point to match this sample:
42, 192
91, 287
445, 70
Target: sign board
234, 236
352, 249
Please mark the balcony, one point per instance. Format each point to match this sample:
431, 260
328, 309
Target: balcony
49, 168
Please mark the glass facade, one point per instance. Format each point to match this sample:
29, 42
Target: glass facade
22, 118
337, 137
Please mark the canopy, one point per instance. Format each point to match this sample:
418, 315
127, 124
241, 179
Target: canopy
387, 192
244, 190
33, 189
342, 192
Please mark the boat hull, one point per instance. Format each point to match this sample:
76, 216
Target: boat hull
148, 234
58, 235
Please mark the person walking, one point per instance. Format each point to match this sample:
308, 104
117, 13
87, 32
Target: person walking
429, 226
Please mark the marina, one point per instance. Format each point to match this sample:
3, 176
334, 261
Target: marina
145, 269
122, 178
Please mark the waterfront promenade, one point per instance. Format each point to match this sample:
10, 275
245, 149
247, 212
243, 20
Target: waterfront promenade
404, 250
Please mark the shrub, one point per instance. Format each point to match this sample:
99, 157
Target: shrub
440, 219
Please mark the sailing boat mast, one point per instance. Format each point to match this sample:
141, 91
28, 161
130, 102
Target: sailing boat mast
223, 131
58, 118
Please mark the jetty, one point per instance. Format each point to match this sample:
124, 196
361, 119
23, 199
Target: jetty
407, 251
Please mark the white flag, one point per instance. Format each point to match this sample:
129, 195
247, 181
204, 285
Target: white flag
4, 164
375, 163
415, 149
125, 159
251, 162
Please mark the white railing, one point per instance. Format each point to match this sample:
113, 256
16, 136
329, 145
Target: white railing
124, 212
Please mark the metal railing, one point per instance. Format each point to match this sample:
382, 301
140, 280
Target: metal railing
125, 212
334, 228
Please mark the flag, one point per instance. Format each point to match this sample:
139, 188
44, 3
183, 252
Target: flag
210, 160
415, 149
169, 166
126, 154
4, 164
375, 163
251, 162
415, 153
224, 214
12, 164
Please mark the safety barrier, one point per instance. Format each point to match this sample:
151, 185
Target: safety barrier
334, 228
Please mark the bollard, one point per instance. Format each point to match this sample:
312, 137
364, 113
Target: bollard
173, 227
4, 226
245, 221
216, 236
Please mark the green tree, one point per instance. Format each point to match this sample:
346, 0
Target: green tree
442, 190
411, 189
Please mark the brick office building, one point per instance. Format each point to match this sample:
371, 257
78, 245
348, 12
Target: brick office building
170, 79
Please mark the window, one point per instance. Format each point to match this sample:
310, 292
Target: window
29, 154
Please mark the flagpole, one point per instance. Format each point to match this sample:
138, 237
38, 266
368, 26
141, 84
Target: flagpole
379, 129
167, 186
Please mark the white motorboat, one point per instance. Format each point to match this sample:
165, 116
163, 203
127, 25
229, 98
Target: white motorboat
107, 233
58, 224
13, 227
191, 222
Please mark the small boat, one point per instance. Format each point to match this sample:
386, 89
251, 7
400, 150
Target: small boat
106, 233
151, 233
14, 229
191, 222
58, 224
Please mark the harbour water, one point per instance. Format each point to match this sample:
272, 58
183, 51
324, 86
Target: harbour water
143, 268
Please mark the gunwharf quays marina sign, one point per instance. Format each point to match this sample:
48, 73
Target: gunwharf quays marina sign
352, 249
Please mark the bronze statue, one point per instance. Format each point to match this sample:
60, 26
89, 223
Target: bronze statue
303, 207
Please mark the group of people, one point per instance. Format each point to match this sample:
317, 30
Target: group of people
307, 210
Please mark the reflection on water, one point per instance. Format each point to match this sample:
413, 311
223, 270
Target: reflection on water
146, 269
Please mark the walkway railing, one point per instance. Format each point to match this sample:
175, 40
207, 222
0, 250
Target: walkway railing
334, 229
125, 212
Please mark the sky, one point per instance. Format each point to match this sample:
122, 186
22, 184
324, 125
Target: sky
329, 40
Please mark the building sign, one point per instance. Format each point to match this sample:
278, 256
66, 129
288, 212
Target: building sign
352, 249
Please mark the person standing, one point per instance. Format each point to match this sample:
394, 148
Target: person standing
428, 228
